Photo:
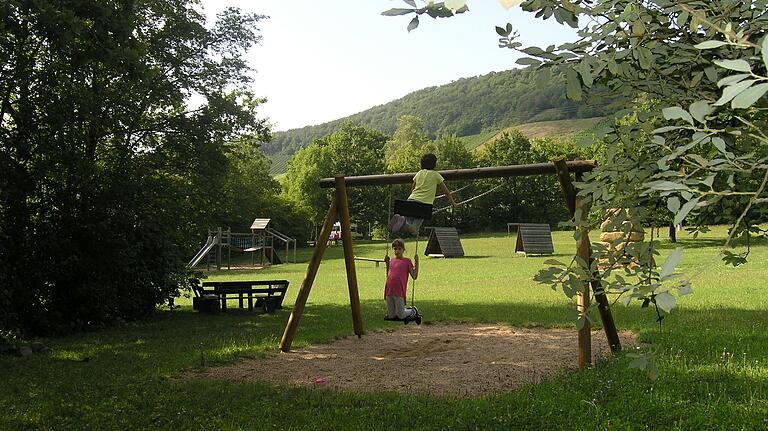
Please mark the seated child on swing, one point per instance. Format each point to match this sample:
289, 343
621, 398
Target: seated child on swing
398, 270
424, 188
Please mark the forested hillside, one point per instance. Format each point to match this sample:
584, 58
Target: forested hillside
464, 107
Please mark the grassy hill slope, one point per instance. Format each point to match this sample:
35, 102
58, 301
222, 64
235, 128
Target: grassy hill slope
539, 129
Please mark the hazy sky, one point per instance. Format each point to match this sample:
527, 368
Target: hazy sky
320, 60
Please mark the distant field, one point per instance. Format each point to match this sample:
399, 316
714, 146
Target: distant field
279, 164
475, 141
543, 129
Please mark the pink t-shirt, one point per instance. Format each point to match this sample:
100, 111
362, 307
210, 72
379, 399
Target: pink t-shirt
397, 277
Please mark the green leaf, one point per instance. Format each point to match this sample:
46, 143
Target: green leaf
764, 48
710, 44
699, 110
554, 262
675, 112
684, 210
711, 73
573, 88
528, 61
666, 301
748, 97
501, 31
669, 265
645, 57
586, 72
732, 79
665, 185
626, 300
666, 129
719, 143
413, 24
737, 65
396, 12
684, 289
732, 91
673, 204
411, 3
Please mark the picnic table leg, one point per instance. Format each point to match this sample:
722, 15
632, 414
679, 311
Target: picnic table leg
240, 300
250, 301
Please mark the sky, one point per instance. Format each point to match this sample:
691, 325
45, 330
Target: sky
320, 60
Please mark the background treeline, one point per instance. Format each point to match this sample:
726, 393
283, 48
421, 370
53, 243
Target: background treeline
360, 150
465, 107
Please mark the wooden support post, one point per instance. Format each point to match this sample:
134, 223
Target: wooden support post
609, 327
309, 278
349, 255
583, 251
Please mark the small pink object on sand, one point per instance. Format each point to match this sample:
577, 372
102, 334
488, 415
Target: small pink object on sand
319, 381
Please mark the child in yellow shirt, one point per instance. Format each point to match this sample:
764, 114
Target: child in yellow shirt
424, 188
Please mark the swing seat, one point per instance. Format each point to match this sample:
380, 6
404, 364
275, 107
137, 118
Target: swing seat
405, 321
413, 209
408, 319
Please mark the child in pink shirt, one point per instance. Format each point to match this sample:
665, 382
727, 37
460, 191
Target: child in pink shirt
398, 270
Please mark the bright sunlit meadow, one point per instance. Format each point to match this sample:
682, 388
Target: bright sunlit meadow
711, 353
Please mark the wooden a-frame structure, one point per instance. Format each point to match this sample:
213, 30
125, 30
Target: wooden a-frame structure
339, 211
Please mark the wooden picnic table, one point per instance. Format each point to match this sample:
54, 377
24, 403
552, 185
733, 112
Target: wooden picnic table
267, 294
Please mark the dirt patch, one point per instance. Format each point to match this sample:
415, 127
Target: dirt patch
442, 359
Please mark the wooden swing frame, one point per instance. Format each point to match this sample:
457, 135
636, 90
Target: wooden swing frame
339, 211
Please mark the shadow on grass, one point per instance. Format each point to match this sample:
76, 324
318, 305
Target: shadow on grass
710, 359
176, 339
713, 243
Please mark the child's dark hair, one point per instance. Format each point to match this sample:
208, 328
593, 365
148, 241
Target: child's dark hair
428, 161
398, 242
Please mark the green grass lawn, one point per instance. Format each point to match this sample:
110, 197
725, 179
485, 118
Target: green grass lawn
712, 355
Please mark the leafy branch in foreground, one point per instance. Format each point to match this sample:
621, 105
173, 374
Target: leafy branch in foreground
692, 136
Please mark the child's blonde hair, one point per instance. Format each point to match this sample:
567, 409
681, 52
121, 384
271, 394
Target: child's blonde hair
398, 242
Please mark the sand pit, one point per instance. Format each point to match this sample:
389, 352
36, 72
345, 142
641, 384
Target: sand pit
440, 359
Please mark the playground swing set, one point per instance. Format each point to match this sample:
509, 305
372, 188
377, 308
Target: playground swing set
339, 210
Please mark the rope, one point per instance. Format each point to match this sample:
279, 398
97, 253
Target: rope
415, 253
454, 191
470, 199
389, 217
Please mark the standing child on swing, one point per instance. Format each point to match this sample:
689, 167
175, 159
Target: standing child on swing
424, 188
395, 289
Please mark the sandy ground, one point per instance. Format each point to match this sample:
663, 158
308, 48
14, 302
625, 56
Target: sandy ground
441, 359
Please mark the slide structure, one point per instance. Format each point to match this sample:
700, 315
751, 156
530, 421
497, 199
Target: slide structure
209, 244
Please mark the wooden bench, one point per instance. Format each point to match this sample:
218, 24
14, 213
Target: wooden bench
370, 259
267, 294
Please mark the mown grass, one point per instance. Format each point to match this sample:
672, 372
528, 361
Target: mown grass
711, 352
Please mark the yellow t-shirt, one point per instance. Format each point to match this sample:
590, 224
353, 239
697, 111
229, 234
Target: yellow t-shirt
426, 181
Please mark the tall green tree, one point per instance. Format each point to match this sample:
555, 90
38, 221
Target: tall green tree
409, 142
108, 170
701, 67
351, 150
